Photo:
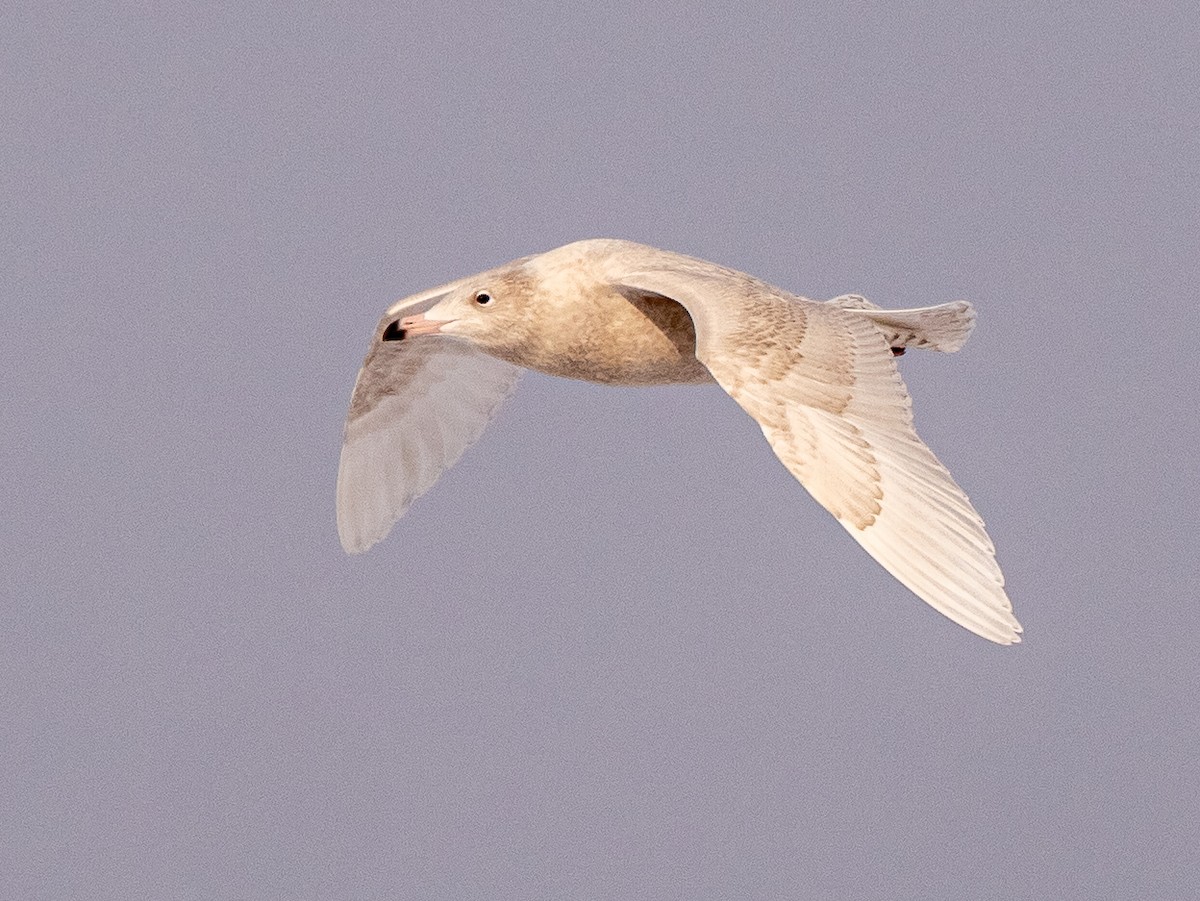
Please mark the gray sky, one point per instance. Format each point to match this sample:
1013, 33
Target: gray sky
617, 652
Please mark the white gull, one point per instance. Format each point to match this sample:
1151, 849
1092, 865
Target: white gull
820, 378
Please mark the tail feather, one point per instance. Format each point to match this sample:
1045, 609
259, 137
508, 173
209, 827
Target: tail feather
945, 327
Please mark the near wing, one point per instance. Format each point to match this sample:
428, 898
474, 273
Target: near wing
823, 385
417, 405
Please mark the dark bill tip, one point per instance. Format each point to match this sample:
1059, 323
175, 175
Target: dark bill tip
393, 332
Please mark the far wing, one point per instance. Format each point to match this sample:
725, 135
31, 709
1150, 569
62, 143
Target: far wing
823, 385
417, 405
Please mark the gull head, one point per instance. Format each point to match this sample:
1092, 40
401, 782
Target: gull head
492, 310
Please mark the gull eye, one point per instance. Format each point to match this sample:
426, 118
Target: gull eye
483, 298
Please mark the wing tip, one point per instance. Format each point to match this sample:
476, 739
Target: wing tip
1008, 632
356, 548
1006, 640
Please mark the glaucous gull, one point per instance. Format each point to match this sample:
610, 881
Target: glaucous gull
820, 378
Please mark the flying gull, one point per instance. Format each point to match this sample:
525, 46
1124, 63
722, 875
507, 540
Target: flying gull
820, 378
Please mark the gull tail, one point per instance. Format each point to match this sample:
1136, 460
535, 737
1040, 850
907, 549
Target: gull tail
945, 327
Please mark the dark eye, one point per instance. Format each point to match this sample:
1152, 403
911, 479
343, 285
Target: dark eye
483, 298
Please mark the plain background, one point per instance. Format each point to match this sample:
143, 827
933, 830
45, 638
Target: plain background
617, 652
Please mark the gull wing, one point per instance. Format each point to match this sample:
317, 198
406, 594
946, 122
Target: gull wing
823, 385
417, 405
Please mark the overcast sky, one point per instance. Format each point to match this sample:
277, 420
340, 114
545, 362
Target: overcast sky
617, 652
